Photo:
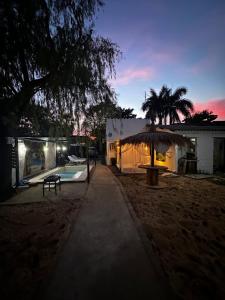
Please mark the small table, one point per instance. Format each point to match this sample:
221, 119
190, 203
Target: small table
52, 179
152, 173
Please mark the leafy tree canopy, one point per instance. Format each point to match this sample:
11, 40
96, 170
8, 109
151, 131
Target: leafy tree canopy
50, 55
41, 122
96, 116
203, 117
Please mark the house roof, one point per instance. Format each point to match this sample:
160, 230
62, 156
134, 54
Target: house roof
214, 126
53, 139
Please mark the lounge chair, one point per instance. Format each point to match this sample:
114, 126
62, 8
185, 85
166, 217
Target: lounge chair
76, 160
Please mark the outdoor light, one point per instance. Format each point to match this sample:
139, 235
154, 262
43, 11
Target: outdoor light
22, 148
58, 148
64, 148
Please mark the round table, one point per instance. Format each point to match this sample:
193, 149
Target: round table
152, 173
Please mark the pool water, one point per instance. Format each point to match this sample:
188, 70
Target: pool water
67, 173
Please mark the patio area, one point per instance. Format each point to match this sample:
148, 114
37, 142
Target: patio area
34, 194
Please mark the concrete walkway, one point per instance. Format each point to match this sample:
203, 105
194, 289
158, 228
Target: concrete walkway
105, 257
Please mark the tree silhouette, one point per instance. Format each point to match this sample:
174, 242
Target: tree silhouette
167, 105
42, 122
49, 54
203, 117
175, 103
97, 115
154, 105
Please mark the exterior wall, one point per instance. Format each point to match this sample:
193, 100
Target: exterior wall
109, 153
13, 177
117, 129
49, 152
204, 147
50, 155
21, 156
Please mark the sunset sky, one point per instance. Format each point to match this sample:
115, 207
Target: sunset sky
172, 42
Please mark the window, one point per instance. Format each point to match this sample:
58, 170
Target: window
192, 149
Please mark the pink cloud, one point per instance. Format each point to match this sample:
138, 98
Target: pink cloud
216, 106
130, 75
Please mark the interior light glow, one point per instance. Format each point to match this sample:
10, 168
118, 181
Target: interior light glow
64, 148
22, 148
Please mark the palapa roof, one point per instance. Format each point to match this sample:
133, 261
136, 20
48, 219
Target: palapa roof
154, 135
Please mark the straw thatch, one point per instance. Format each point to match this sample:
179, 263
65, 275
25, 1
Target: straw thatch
152, 135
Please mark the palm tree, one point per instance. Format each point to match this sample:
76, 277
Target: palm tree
175, 103
154, 105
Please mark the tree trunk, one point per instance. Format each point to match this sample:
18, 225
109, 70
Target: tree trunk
5, 163
170, 119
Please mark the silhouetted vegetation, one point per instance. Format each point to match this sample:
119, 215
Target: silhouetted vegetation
50, 56
166, 105
203, 117
96, 116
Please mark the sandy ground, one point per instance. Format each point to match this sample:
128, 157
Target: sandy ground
186, 223
31, 236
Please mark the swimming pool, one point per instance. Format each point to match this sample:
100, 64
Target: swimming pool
67, 174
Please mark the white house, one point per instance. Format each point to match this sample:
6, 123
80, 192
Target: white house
208, 140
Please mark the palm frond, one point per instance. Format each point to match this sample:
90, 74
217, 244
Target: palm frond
153, 93
180, 92
145, 105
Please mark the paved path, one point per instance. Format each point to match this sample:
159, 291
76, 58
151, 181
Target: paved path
104, 257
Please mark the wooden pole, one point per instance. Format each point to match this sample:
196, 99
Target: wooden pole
88, 163
152, 154
120, 155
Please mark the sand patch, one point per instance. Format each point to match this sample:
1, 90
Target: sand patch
31, 236
186, 222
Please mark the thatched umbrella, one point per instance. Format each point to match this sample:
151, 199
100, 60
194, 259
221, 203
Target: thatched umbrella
153, 137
